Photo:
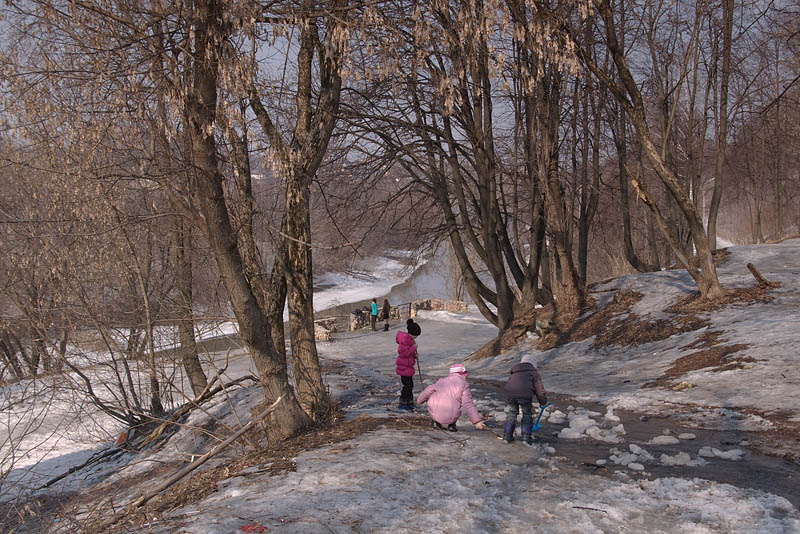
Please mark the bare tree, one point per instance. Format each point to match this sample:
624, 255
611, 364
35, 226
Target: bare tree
627, 92
297, 160
183, 52
721, 113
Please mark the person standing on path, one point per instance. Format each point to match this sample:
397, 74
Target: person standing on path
404, 364
386, 311
373, 316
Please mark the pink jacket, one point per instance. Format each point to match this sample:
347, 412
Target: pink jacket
406, 354
446, 398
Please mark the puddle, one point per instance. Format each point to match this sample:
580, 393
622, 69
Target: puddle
766, 473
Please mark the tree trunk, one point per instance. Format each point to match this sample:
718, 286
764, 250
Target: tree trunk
568, 289
276, 300
10, 356
186, 335
307, 374
288, 417
299, 161
722, 117
591, 199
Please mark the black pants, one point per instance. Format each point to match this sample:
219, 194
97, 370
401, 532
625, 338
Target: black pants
407, 393
372, 319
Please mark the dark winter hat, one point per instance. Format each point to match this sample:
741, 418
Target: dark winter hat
413, 328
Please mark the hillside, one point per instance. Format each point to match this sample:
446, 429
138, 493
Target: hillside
667, 418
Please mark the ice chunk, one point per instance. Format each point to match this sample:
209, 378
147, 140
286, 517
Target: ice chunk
601, 434
664, 440
609, 416
557, 418
580, 423
570, 433
681, 458
710, 452
640, 452
733, 454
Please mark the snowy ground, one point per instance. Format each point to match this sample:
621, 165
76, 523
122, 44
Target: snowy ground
431, 481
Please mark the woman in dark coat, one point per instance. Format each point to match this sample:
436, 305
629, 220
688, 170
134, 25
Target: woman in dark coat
385, 311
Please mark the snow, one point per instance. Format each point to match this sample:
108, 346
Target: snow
732, 454
427, 481
374, 277
664, 440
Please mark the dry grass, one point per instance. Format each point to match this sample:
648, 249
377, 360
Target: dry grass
30, 515
718, 357
743, 295
616, 325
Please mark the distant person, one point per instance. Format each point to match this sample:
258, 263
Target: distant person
386, 311
373, 316
523, 384
447, 397
406, 360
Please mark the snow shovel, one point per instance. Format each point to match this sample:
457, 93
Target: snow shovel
536, 425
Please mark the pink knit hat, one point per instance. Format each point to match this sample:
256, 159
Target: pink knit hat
458, 368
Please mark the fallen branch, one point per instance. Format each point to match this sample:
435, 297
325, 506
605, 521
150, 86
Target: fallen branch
141, 501
589, 508
205, 395
763, 282
94, 459
493, 432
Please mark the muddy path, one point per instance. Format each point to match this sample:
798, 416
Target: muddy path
755, 470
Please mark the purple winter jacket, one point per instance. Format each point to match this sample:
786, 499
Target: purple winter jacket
406, 354
446, 398
525, 383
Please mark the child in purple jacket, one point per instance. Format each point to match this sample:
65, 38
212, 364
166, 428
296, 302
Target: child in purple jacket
447, 396
523, 384
404, 364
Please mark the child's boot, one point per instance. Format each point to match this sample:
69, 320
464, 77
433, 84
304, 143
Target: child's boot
508, 432
526, 435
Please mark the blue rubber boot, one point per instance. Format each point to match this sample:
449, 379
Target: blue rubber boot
508, 432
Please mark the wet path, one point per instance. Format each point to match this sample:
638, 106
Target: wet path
766, 473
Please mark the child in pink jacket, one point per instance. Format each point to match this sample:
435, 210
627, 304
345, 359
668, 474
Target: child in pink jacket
406, 359
447, 397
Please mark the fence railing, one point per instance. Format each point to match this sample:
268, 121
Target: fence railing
360, 318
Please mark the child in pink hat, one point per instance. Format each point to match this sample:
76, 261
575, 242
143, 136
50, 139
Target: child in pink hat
448, 396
